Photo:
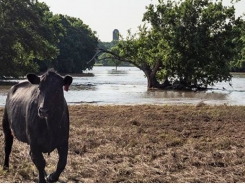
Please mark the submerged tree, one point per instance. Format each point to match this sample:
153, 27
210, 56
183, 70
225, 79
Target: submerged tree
189, 45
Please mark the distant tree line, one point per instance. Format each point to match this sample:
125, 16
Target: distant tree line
33, 39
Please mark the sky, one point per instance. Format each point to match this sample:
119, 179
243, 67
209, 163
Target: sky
103, 16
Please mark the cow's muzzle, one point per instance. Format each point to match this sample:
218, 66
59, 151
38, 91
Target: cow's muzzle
42, 112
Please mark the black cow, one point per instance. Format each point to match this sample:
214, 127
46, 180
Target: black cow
36, 113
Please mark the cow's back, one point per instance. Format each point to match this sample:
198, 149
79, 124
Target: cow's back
20, 97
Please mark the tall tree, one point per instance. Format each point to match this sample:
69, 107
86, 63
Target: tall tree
200, 34
77, 46
189, 44
25, 35
238, 62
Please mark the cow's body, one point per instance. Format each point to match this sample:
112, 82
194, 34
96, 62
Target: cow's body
36, 113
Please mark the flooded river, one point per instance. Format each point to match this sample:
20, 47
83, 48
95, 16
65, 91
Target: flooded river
127, 85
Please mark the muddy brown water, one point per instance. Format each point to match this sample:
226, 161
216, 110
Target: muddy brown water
127, 85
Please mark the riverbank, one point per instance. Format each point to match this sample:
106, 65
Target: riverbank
145, 143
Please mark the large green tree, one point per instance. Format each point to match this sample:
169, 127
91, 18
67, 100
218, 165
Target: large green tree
26, 32
189, 44
238, 62
77, 46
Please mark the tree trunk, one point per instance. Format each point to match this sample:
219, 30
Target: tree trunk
152, 81
151, 76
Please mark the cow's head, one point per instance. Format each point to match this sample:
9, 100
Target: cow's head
51, 96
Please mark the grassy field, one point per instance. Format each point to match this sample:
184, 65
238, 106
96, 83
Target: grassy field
145, 143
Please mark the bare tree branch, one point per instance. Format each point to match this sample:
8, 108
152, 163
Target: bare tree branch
94, 57
115, 56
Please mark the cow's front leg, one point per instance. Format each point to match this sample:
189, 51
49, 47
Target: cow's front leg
8, 141
38, 160
62, 151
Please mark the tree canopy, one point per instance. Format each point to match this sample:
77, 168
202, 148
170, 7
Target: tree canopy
25, 34
77, 46
33, 39
184, 44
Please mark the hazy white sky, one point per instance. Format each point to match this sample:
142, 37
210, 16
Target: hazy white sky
103, 16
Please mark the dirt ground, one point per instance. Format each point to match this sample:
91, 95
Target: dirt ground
145, 143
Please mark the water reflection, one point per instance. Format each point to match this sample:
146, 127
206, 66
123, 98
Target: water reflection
180, 97
127, 85
186, 95
117, 72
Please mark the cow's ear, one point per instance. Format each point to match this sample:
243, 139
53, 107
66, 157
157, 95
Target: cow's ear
32, 78
67, 82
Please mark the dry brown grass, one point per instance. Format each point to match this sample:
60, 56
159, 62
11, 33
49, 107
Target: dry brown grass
145, 143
